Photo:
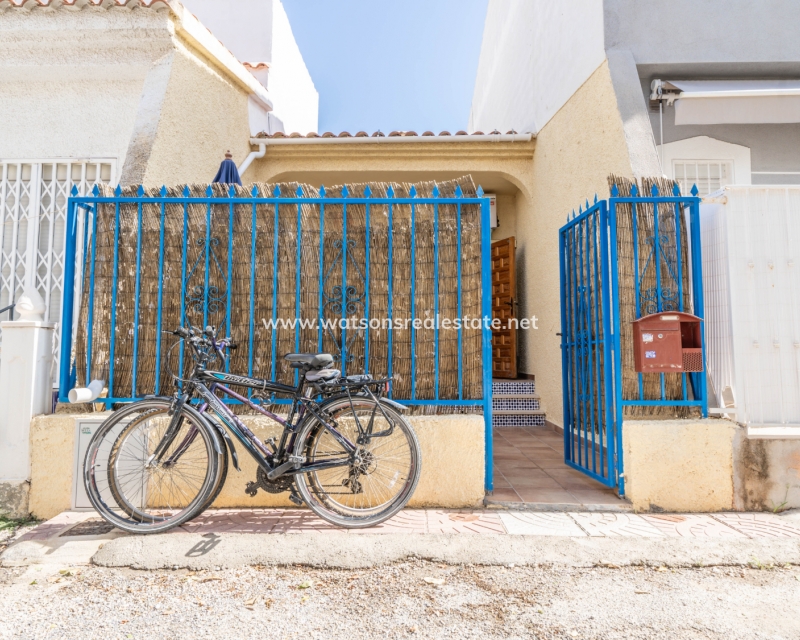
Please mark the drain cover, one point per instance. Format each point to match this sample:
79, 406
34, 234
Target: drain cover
93, 527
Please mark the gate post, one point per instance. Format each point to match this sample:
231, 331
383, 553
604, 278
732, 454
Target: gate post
486, 331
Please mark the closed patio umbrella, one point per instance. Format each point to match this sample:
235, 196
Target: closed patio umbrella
228, 173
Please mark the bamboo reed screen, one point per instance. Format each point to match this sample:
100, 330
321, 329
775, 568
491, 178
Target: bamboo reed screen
140, 342
651, 382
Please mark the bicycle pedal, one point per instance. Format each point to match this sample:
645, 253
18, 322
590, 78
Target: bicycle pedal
251, 489
295, 498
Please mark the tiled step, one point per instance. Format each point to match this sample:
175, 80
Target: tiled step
513, 387
518, 420
515, 404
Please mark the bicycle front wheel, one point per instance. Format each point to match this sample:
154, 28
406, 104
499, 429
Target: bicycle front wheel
379, 478
140, 489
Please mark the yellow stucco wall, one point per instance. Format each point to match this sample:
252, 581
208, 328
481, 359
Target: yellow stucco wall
452, 464
575, 152
203, 115
679, 465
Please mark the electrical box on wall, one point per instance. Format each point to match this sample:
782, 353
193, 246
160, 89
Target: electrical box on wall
85, 428
492, 209
668, 342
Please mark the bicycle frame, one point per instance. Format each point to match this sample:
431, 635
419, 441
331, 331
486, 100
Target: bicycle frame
207, 383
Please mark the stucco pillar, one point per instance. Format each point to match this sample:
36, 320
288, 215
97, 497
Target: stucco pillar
26, 363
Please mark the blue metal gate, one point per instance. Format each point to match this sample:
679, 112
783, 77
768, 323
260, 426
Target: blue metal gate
596, 350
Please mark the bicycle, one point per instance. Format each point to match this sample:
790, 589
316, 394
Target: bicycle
345, 450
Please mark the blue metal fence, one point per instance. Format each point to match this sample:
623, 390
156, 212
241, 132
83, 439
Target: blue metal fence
207, 277
594, 317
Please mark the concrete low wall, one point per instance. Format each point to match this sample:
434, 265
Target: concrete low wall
707, 465
452, 464
679, 465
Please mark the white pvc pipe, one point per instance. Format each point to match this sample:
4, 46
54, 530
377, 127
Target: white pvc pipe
87, 394
262, 150
488, 137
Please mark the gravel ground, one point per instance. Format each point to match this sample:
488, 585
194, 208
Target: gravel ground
411, 599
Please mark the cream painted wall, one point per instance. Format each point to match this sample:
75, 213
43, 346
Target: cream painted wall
575, 152
679, 465
452, 464
190, 143
534, 56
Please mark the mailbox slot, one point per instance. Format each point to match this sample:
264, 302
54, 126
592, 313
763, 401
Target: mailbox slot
667, 342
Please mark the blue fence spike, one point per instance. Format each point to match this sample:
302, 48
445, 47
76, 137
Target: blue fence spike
436, 191
587, 204
580, 209
479, 192
695, 190
595, 198
676, 190
163, 191
390, 191
74, 190
345, 192
367, 192
209, 191
573, 215
459, 192
614, 191
118, 191
186, 191
254, 191
231, 191
96, 191
299, 191
413, 192
634, 190
654, 191
322, 191
140, 191
276, 191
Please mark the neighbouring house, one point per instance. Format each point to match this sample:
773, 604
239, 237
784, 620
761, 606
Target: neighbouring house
704, 93
125, 92
129, 92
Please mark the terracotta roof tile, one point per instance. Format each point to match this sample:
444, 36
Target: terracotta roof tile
376, 134
83, 3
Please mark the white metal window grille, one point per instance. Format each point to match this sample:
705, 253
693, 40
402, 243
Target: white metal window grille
708, 175
33, 207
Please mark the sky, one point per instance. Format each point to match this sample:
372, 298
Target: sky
390, 64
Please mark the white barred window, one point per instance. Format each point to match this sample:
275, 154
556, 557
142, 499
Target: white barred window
708, 175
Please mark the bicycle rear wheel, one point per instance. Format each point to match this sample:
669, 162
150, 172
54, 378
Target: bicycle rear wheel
378, 481
138, 492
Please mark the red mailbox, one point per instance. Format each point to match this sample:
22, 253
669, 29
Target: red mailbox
667, 342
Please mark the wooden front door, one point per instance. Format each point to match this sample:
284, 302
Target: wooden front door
504, 289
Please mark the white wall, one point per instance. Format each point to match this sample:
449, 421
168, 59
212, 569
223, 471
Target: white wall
535, 54
295, 99
258, 31
70, 82
243, 26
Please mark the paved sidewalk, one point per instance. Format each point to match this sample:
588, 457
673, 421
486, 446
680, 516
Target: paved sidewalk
483, 536
72, 524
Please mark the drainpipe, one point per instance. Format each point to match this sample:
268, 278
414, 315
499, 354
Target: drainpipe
262, 151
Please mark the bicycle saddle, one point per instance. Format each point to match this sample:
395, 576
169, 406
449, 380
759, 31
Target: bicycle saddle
310, 360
